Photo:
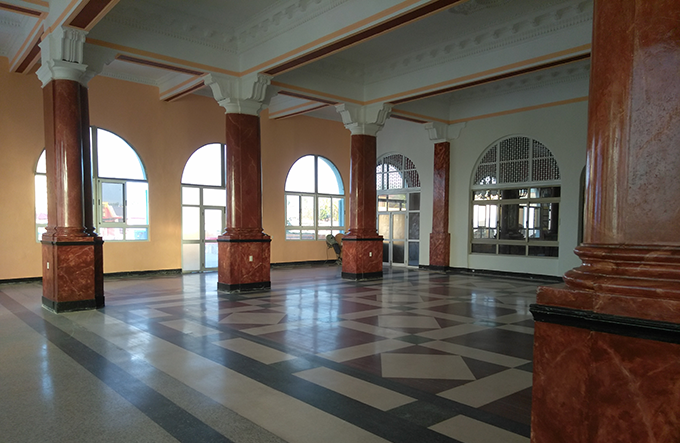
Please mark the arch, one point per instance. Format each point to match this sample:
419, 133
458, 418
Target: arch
315, 202
396, 171
205, 167
515, 199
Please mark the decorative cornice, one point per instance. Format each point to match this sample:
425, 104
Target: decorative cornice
9, 22
198, 32
280, 18
521, 29
536, 80
130, 78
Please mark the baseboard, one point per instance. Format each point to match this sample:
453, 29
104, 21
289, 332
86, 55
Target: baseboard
493, 273
303, 263
10, 281
154, 273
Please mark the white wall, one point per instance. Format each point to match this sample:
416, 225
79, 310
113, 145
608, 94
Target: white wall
563, 129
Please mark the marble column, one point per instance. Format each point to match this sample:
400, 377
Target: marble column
362, 246
607, 344
440, 238
243, 249
71, 250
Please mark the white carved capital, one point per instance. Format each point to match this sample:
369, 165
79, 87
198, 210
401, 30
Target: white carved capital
439, 132
246, 95
61, 54
364, 120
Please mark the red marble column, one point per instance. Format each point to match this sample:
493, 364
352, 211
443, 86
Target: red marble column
71, 250
243, 249
440, 239
362, 246
607, 345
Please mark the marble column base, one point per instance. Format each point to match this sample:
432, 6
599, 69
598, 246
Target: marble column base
440, 250
594, 386
244, 263
362, 258
73, 274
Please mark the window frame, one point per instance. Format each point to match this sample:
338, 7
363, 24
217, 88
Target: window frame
492, 185
305, 229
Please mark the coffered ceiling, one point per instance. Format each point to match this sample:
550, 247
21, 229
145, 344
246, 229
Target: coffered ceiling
433, 60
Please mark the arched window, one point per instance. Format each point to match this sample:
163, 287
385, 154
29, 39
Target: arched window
515, 199
315, 199
398, 191
204, 198
121, 191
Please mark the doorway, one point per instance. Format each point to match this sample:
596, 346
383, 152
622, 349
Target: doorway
202, 223
399, 225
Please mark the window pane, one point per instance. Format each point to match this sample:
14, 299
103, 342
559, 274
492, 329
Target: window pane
395, 181
111, 233
116, 158
308, 235
414, 201
41, 167
329, 179
112, 202
396, 202
414, 225
382, 203
487, 195
137, 203
136, 234
483, 249
210, 255
386, 252
307, 211
191, 196
191, 223
324, 211
322, 234
293, 234
301, 175
484, 216
512, 249
512, 222
384, 225
191, 257
413, 253
399, 226
398, 252
292, 210
204, 167
213, 223
338, 212
544, 251
41, 199
214, 197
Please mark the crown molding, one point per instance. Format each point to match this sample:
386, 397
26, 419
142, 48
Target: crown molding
279, 19
130, 78
195, 31
494, 38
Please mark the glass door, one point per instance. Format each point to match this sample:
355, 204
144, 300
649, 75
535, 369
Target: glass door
202, 223
399, 225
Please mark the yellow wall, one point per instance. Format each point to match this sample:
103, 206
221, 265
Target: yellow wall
283, 142
164, 135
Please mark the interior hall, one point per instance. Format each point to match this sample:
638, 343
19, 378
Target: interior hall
340, 220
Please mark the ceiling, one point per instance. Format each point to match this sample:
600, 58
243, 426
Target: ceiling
431, 60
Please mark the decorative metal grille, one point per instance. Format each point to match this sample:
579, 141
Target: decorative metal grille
395, 171
516, 160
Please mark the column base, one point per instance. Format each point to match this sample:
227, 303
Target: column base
362, 258
73, 274
244, 263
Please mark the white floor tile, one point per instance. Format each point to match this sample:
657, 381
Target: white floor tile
353, 352
468, 430
407, 321
477, 354
489, 389
255, 351
443, 367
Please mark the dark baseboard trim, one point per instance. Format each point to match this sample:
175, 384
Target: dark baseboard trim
244, 240
380, 239
303, 263
610, 324
244, 287
155, 273
71, 306
362, 276
11, 281
549, 279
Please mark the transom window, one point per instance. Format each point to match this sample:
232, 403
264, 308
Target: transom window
315, 199
396, 171
120, 191
515, 200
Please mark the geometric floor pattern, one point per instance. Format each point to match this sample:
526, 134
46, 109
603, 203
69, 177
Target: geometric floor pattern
418, 356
